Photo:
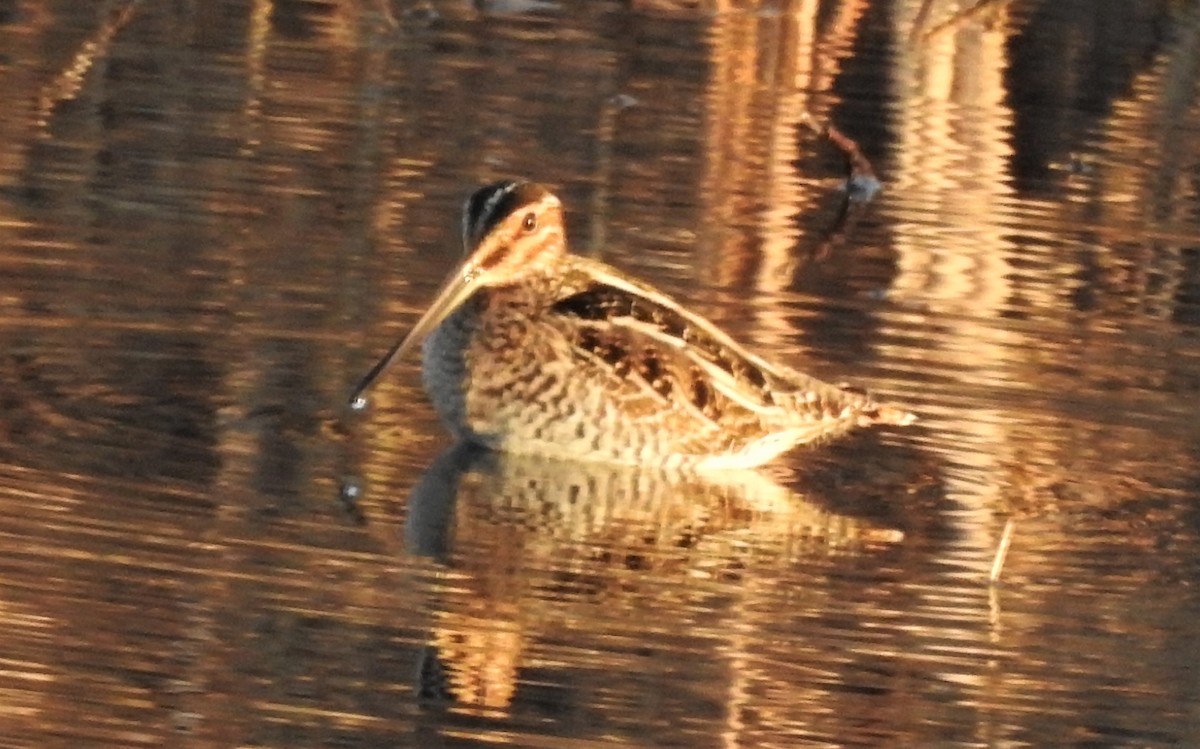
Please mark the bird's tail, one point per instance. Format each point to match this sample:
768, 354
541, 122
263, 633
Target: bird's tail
885, 413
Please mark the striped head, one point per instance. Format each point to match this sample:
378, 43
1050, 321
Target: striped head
510, 230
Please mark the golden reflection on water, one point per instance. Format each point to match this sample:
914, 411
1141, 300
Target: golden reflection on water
533, 549
969, 264
770, 81
212, 214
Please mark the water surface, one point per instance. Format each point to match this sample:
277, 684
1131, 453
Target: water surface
214, 216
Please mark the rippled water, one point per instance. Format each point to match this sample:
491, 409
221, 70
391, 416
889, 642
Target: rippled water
214, 216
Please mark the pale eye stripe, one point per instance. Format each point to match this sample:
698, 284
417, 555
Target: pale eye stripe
531, 246
544, 229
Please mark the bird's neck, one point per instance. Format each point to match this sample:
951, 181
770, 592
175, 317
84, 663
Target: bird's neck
525, 298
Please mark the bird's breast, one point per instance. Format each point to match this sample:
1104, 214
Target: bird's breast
445, 368
479, 362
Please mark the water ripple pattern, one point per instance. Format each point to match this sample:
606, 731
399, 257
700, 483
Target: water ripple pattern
214, 216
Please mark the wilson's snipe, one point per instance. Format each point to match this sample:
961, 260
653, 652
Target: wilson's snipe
529, 349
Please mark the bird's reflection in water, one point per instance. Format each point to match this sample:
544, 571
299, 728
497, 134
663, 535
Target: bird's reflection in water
469, 494
531, 550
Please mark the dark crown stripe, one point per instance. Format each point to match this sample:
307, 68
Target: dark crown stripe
490, 205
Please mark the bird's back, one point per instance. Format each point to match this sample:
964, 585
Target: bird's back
584, 362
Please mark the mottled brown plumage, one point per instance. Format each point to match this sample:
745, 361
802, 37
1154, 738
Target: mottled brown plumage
530, 349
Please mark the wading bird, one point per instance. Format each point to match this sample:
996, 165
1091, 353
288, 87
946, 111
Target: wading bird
529, 349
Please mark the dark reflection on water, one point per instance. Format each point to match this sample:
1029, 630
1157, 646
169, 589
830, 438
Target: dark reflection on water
213, 216
542, 564
576, 501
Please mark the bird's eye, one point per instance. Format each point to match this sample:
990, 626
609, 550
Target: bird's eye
530, 221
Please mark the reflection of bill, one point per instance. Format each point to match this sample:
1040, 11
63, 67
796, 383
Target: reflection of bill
532, 546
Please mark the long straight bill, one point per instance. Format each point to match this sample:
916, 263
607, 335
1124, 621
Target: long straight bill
457, 289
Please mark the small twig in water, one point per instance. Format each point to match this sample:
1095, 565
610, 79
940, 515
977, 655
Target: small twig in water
861, 186
860, 167
861, 183
1001, 552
